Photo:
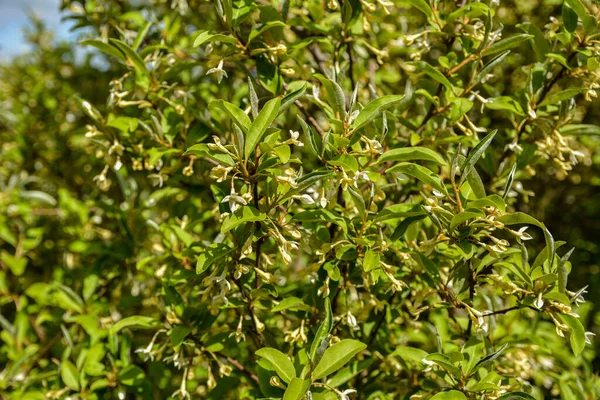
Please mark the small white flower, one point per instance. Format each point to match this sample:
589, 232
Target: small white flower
219, 71
294, 135
539, 303
234, 200
514, 147
589, 336
578, 297
220, 173
351, 319
305, 199
344, 395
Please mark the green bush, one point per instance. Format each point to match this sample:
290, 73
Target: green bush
304, 199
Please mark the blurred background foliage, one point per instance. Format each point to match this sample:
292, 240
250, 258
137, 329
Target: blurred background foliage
70, 233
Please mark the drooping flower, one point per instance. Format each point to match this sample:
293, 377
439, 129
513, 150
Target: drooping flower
219, 71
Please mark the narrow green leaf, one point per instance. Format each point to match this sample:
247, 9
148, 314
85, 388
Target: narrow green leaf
522, 218
287, 303
212, 254
290, 98
562, 95
105, 48
70, 375
371, 260
488, 67
580, 130
421, 173
305, 182
335, 94
422, 6
337, 356
540, 44
450, 395
253, 98
134, 322
475, 154
374, 109
507, 44
259, 126
509, 181
322, 333
282, 364
433, 73
516, 396
206, 36
234, 112
296, 389
577, 334
410, 154
569, 18
142, 74
464, 217
404, 225
562, 271
240, 216
141, 36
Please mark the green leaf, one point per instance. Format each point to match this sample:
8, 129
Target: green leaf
589, 22
522, 218
506, 44
563, 95
305, 182
475, 154
374, 109
421, 173
142, 74
134, 322
505, 103
296, 389
105, 48
240, 216
206, 36
70, 375
509, 181
422, 6
259, 126
410, 154
336, 356
541, 46
410, 353
289, 302
141, 36
562, 271
345, 161
212, 254
371, 260
335, 95
234, 112
446, 363
404, 225
290, 98
265, 27
322, 333
433, 73
516, 396
451, 395
282, 364
577, 334
580, 130
569, 18
463, 217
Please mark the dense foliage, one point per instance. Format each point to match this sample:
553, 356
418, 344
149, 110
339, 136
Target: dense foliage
303, 199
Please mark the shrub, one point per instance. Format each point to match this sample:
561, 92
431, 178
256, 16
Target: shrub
298, 199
